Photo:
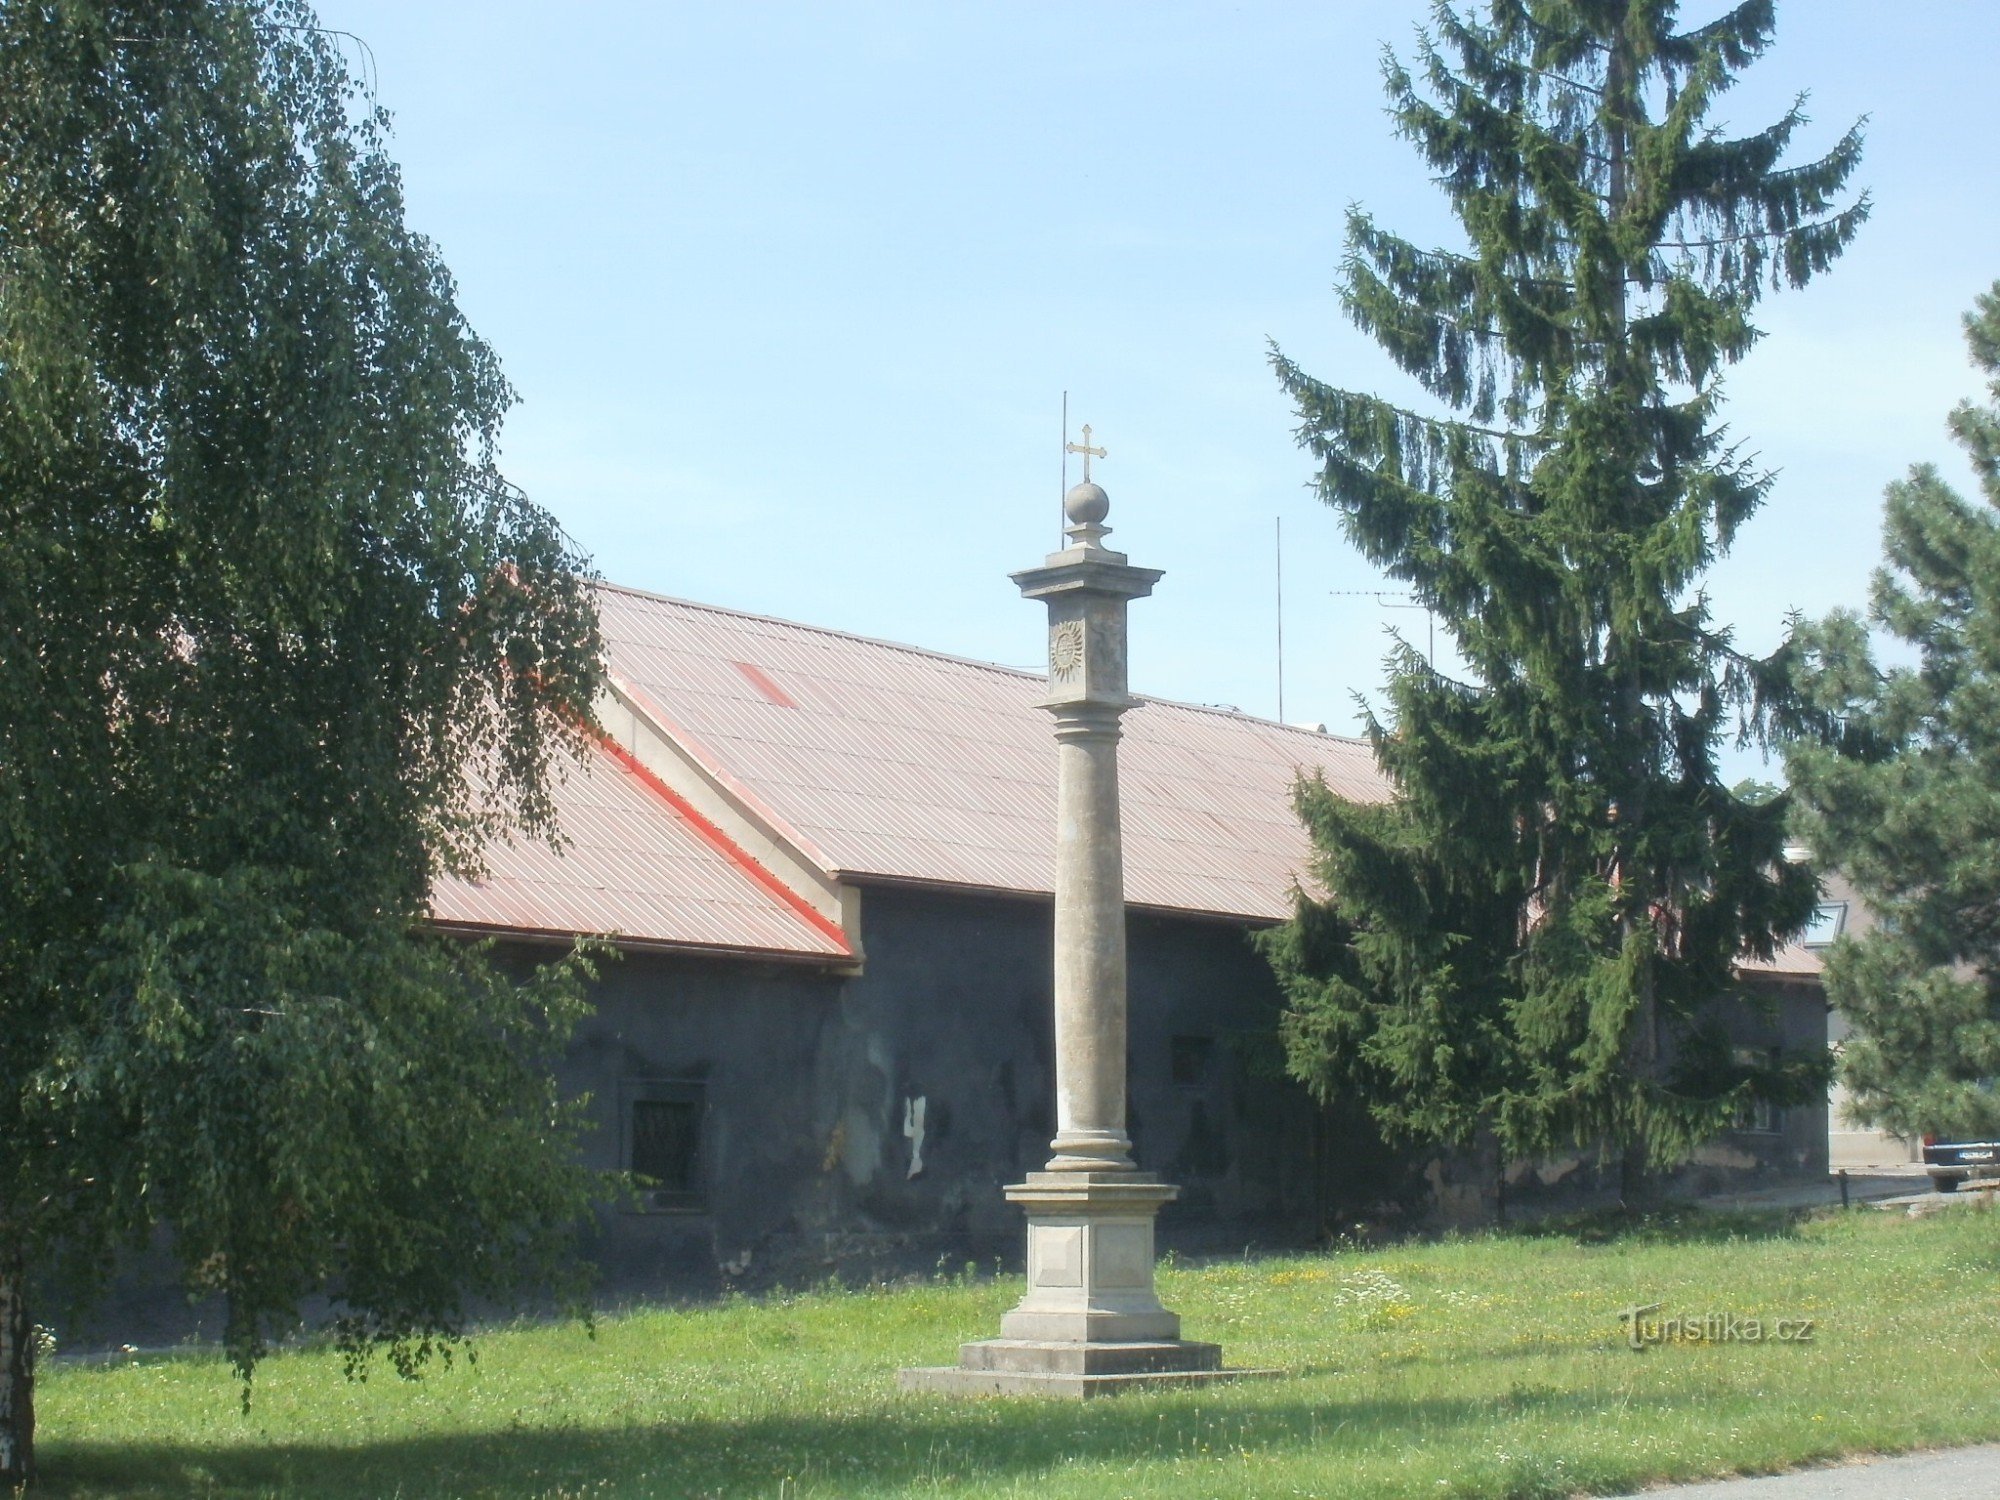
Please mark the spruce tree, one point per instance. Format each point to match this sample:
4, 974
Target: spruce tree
1532, 935
1907, 803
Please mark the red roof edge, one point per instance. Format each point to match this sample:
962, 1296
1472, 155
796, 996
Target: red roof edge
727, 847
558, 936
758, 809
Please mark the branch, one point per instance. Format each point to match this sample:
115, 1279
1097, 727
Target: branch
1467, 261
1481, 333
1719, 241
1403, 413
1418, 662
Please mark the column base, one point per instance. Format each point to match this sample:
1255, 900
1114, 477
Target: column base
1091, 1323
1028, 1367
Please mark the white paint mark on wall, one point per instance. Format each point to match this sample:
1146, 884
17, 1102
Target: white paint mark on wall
861, 1141
913, 1130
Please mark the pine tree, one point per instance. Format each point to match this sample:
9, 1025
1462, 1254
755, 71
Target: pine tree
1907, 804
1532, 935
277, 645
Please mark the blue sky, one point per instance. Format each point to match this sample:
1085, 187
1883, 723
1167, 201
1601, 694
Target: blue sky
791, 293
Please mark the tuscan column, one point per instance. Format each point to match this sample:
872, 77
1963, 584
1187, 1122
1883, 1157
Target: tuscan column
1090, 1321
1086, 588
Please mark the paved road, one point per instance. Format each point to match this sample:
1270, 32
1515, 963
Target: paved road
1955, 1474
1876, 1185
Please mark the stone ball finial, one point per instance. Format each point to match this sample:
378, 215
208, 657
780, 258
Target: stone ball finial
1086, 504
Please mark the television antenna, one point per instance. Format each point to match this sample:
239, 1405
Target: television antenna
1390, 600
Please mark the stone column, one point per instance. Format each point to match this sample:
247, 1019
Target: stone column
1091, 1321
1089, 945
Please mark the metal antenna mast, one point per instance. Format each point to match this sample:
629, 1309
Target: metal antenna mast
1278, 523
1062, 516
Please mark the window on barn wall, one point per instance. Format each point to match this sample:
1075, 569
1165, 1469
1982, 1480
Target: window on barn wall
661, 1124
1760, 1116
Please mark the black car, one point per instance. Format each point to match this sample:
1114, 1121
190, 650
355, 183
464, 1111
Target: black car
1953, 1162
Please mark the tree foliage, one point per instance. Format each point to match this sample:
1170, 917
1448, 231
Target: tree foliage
1531, 936
278, 644
1906, 803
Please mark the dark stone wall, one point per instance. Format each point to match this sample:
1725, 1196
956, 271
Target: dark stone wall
856, 1126
806, 1079
815, 1161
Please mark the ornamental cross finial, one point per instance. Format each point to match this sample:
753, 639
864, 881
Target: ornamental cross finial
1086, 450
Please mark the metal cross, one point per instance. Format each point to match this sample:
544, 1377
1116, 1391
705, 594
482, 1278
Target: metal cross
1086, 450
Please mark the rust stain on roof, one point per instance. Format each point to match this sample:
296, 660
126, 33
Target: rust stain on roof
761, 681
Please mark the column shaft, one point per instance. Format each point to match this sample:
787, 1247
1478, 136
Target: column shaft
1089, 945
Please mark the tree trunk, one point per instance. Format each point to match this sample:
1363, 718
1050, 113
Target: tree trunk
1637, 1187
17, 1375
1634, 1180
1642, 1055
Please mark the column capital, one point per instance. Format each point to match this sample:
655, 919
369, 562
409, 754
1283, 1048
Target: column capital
1087, 570
1086, 599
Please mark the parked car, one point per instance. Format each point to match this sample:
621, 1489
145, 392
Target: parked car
1953, 1162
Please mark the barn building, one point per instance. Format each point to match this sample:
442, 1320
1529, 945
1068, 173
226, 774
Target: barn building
826, 865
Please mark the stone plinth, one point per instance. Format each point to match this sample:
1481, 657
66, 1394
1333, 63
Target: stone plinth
1005, 1367
1090, 1323
1090, 1259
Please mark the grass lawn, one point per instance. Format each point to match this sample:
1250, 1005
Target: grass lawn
1491, 1366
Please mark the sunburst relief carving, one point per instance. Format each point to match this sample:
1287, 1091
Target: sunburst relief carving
1066, 649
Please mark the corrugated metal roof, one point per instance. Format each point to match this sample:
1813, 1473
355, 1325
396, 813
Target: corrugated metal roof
887, 762
903, 764
634, 867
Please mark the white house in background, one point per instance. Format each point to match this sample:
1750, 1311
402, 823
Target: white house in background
1848, 1144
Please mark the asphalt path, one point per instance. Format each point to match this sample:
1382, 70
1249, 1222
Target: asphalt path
1951, 1474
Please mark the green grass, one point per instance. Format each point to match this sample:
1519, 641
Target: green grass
1491, 1366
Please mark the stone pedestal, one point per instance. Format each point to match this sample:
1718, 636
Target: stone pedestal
1009, 1367
1090, 1259
1091, 1323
